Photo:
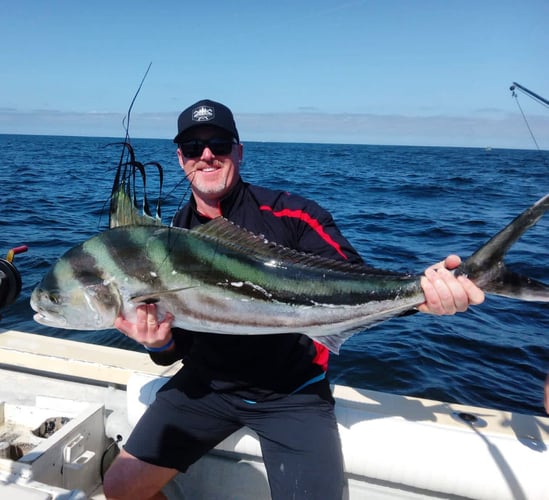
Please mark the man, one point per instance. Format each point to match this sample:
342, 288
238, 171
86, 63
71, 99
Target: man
274, 384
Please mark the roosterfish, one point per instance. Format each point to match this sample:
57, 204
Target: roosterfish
220, 278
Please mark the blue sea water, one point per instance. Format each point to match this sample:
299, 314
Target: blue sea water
403, 208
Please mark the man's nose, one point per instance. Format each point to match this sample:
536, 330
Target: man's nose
207, 154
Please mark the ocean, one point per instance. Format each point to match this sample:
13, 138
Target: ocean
402, 207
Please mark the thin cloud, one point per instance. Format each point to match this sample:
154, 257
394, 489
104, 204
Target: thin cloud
487, 127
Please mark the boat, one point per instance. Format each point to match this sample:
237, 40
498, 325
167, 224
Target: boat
66, 407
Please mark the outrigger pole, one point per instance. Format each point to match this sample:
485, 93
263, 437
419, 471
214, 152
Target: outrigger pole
533, 95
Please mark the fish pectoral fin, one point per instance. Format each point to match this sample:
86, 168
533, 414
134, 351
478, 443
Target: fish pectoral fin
154, 297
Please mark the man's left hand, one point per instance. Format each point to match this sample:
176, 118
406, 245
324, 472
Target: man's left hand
446, 293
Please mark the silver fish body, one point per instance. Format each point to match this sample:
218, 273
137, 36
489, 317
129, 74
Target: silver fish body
222, 279
217, 278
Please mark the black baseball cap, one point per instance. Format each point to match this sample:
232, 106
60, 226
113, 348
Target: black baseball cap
206, 112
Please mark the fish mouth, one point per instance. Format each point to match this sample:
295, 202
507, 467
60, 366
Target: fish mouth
44, 319
45, 315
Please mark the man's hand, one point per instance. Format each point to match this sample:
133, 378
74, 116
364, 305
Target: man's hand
446, 294
147, 330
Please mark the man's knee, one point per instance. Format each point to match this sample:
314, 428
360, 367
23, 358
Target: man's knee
130, 478
113, 483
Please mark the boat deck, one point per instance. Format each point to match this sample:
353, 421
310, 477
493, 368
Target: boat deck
394, 446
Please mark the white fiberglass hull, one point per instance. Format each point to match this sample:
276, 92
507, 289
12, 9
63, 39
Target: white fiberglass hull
394, 446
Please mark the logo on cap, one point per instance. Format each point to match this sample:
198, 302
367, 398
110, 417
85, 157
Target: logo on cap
203, 114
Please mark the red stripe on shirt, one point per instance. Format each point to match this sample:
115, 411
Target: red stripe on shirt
322, 356
315, 225
322, 353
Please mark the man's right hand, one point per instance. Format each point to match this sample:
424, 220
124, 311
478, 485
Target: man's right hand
147, 330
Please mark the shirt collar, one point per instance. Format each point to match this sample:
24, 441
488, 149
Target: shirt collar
227, 204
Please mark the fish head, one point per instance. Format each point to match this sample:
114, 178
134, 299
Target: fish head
66, 298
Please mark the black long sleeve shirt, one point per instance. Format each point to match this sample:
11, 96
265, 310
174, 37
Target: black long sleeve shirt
260, 366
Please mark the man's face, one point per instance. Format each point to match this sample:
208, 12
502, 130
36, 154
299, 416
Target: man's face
211, 161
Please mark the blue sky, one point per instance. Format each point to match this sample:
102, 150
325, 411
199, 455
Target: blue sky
420, 72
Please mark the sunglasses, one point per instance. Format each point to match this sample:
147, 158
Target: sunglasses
195, 147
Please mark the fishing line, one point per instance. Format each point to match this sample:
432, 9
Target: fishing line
127, 154
126, 119
186, 177
525, 120
535, 97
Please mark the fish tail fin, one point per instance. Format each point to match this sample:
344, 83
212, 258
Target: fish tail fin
487, 269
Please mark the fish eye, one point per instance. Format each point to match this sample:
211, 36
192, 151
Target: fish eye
54, 298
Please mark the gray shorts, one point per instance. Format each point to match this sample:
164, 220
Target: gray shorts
298, 435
